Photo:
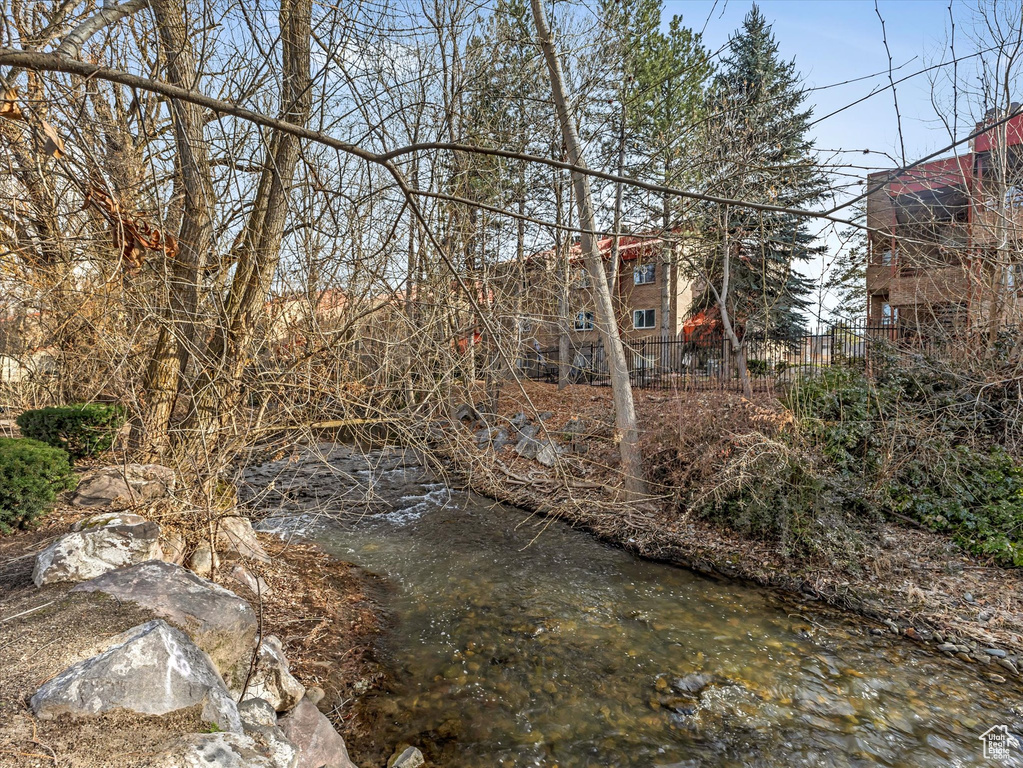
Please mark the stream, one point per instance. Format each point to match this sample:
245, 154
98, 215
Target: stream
519, 641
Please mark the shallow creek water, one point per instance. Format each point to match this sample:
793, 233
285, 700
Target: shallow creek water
522, 642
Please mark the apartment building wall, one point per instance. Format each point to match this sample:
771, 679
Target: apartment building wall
946, 239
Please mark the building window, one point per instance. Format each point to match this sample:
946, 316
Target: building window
886, 257
644, 274
584, 321
643, 318
889, 314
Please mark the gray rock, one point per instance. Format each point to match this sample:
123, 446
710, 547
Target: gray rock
213, 750
173, 545
465, 412
152, 669
272, 680
500, 438
107, 519
693, 683
410, 757
519, 421
204, 560
998, 652
1006, 664
315, 694
319, 745
260, 723
546, 416
968, 597
124, 486
529, 430
947, 648
492, 438
87, 553
242, 576
527, 448
548, 453
235, 534
575, 426
257, 712
219, 622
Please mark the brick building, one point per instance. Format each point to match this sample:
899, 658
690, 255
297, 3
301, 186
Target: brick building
945, 237
651, 295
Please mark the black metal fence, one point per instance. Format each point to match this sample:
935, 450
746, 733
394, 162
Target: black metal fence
708, 361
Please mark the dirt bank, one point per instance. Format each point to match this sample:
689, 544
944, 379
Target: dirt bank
905, 580
325, 612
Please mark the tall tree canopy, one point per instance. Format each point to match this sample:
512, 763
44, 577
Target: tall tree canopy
759, 150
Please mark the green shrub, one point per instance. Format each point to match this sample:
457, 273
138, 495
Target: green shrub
915, 443
84, 429
31, 475
975, 496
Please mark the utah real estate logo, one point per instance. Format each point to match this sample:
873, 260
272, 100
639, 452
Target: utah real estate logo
998, 742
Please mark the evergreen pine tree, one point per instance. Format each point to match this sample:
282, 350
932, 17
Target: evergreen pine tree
759, 151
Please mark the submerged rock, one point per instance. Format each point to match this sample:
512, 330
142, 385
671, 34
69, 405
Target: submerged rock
410, 757
152, 669
221, 623
693, 683
319, 745
93, 551
124, 486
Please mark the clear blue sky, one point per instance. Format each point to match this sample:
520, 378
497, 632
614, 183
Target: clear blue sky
837, 40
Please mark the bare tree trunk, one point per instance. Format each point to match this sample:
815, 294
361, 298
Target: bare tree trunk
561, 254
616, 243
621, 389
667, 282
726, 321
220, 381
170, 356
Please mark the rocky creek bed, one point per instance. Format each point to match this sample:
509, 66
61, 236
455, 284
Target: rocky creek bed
519, 641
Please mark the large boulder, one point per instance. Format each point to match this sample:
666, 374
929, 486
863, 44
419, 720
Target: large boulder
213, 750
235, 534
95, 550
272, 680
106, 520
152, 669
219, 621
124, 486
260, 723
319, 745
